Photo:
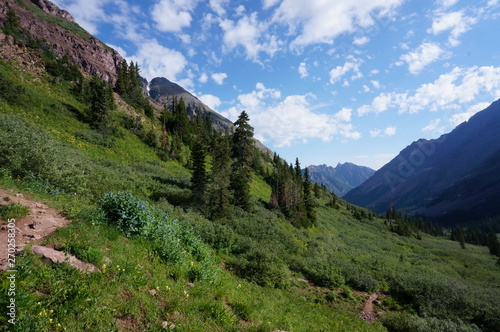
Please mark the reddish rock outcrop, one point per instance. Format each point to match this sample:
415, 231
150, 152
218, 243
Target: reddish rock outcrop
44, 20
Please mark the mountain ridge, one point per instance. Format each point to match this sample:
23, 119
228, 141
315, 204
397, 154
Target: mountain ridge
422, 178
340, 179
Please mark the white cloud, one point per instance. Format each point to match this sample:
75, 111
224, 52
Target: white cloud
218, 6
352, 65
156, 60
458, 118
303, 70
387, 132
361, 40
210, 100
290, 120
203, 78
172, 15
319, 21
446, 3
266, 4
455, 22
344, 115
249, 33
424, 55
449, 91
433, 125
376, 84
219, 78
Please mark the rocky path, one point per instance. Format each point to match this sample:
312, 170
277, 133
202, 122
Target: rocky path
368, 314
41, 222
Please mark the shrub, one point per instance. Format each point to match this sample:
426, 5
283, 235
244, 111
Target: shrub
171, 240
263, 268
404, 322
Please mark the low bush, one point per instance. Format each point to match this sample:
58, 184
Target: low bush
171, 240
405, 322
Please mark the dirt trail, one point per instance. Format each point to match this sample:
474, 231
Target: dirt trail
41, 222
368, 314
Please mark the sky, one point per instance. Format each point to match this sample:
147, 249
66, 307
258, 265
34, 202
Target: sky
326, 81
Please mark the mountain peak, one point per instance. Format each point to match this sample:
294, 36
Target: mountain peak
428, 177
342, 178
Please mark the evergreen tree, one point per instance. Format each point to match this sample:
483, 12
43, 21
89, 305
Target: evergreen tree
493, 244
100, 96
242, 153
220, 194
199, 178
122, 84
308, 199
164, 129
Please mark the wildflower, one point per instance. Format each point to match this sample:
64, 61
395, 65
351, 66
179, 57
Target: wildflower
239, 285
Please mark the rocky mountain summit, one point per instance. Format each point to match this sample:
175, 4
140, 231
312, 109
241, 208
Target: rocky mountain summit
45, 21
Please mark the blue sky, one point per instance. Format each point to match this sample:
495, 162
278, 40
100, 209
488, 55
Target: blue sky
325, 81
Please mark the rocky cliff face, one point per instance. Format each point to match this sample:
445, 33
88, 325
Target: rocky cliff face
44, 20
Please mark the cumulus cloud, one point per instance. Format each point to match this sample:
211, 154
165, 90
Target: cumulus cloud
210, 100
156, 60
319, 21
449, 91
455, 22
290, 120
203, 78
389, 131
219, 78
303, 70
351, 65
361, 40
266, 4
172, 15
218, 6
458, 118
250, 34
446, 3
424, 55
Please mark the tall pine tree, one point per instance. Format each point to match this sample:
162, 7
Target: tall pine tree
220, 194
199, 178
242, 154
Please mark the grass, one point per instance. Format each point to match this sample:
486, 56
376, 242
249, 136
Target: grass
13, 211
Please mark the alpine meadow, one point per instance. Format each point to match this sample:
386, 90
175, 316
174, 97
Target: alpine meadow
128, 204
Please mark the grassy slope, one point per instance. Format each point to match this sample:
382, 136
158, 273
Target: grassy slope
119, 296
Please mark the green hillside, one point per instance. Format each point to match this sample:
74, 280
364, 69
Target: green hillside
164, 257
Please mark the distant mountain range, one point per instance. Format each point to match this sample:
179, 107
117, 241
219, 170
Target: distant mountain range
340, 179
453, 179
